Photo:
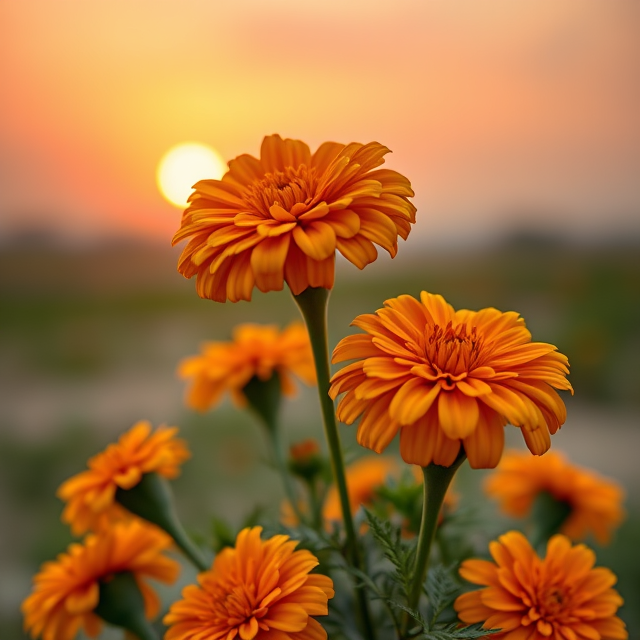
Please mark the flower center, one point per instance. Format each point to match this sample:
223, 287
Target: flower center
549, 608
452, 351
551, 602
241, 614
284, 188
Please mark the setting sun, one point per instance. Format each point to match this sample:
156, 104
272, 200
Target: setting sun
183, 165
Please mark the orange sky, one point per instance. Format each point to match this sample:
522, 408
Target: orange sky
496, 110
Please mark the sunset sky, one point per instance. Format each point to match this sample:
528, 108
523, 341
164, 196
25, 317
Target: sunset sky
504, 114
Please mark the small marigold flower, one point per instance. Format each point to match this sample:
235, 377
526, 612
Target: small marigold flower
281, 218
260, 589
561, 596
305, 460
303, 450
364, 477
595, 502
90, 495
448, 379
67, 591
254, 351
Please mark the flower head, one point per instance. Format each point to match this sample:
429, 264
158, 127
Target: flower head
255, 351
595, 502
447, 379
260, 589
67, 591
281, 218
90, 495
561, 596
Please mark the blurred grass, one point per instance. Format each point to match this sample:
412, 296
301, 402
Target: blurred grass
90, 340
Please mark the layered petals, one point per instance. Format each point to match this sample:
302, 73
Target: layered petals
281, 218
561, 596
255, 350
66, 591
90, 495
259, 590
595, 502
448, 380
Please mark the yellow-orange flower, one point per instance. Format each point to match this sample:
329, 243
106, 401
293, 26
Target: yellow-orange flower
66, 591
261, 590
281, 218
595, 502
254, 350
364, 477
90, 494
447, 379
562, 597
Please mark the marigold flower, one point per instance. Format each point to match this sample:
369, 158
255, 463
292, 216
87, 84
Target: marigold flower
281, 218
254, 350
595, 502
447, 379
561, 596
304, 450
364, 477
90, 495
261, 589
66, 591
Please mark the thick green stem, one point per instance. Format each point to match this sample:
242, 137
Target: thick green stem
264, 398
436, 482
313, 304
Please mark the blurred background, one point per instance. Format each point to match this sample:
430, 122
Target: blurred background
517, 124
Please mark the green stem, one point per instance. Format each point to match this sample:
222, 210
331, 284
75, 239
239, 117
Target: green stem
313, 304
281, 464
316, 504
436, 482
264, 398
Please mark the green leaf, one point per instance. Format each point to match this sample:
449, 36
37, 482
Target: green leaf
455, 632
441, 590
397, 551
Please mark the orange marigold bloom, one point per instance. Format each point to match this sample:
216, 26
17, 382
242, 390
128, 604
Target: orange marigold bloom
561, 597
281, 218
90, 495
66, 591
596, 502
447, 379
254, 350
261, 590
364, 477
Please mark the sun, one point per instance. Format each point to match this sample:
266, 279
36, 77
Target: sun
183, 165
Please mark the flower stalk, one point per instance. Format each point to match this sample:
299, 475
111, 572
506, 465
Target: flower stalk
264, 398
313, 304
436, 482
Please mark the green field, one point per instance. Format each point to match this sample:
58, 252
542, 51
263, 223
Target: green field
90, 340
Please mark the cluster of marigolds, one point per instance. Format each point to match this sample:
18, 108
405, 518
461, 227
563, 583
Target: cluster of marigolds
447, 381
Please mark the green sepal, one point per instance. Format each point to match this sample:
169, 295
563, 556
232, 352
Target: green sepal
122, 605
548, 515
264, 398
151, 499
